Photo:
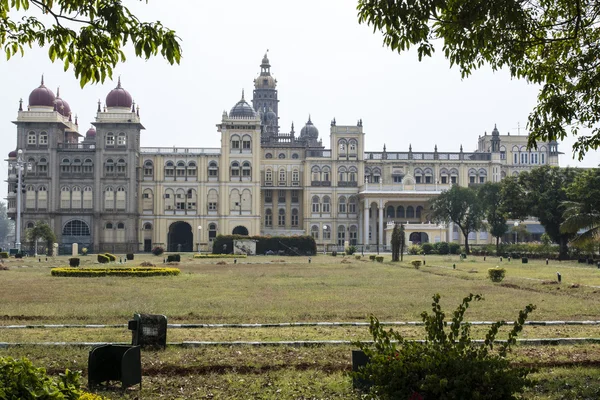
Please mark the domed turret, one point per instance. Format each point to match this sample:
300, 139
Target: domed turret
242, 109
12, 154
61, 105
309, 130
495, 132
265, 80
91, 133
119, 98
41, 96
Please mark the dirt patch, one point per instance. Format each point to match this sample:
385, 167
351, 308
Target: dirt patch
147, 264
221, 263
549, 283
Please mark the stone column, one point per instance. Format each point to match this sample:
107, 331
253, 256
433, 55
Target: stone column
381, 242
366, 223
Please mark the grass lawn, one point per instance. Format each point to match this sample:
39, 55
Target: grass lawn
290, 289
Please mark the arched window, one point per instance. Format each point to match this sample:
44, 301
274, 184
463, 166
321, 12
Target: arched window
42, 198
108, 225
268, 217
212, 232
418, 213
295, 176
191, 168
246, 143
43, 139
482, 175
314, 232
235, 142
342, 204
352, 146
180, 199
109, 167
281, 217
169, 169
212, 200
169, 199
88, 166
472, 175
315, 174
454, 176
342, 147
88, 198
121, 198
368, 174
121, 167
121, 139
342, 174
235, 169
65, 165
326, 174
444, 176
376, 175
352, 174
246, 200
410, 212
148, 169
326, 232
295, 218
180, 169
246, 170
418, 174
31, 139
390, 212
42, 166
147, 200
352, 205
76, 227
30, 225
110, 139
282, 176
341, 235
400, 212
326, 204
30, 197
147, 226
65, 197
353, 235
428, 175
76, 166
191, 199
76, 197
213, 170
269, 175
315, 204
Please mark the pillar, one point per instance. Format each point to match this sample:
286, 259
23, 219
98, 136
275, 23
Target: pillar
381, 242
366, 223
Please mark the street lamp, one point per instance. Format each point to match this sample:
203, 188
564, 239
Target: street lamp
325, 228
199, 235
516, 225
19, 165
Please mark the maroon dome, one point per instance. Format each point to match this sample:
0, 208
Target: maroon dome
12, 154
119, 97
61, 105
91, 132
42, 96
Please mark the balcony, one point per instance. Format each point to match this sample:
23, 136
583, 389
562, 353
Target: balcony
347, 184
76, 147
318, 153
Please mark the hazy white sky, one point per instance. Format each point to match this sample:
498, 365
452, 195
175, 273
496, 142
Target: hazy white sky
326, 64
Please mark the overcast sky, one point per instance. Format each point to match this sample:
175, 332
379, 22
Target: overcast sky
326, 65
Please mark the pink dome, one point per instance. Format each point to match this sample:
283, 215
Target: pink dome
91, 132
12, 154
42, 96
61, 105
119, 97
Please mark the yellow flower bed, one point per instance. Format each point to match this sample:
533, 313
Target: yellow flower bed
220, 256
94, 272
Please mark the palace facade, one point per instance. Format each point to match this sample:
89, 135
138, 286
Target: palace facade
106, 192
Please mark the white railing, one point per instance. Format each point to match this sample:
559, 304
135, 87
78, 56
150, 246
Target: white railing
179, 150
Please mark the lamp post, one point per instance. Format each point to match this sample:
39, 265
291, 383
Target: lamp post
516, 224
199, 236
325, 228
19, 164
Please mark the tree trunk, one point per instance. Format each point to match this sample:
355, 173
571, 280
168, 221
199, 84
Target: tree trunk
498, 245
563, 252
467, 251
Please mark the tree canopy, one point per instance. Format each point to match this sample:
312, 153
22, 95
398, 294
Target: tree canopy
86, 35
553, 43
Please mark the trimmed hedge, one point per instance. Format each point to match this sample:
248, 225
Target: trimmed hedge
416, 263
173, 258
102, 259
220, 256
379, 259
4, 254
496, 274
74, 262
97, 272
111, 257
304, 245
372, 257
129, 256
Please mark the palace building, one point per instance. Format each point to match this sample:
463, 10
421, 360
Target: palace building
106, 192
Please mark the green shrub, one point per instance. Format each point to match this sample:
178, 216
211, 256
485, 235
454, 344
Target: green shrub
441, 248
74, 262
4, 254
98, 272
334, 253
157, 250
426, 248
84, 251
454, 248
19, 255
447, 365
350, 250
173, 258
379, 259
129, 256
290, 245
357, 257
416, 263
414, 249
372, 257
102, 259
524, 260
463, 255
20, 379
496, 274
111, 257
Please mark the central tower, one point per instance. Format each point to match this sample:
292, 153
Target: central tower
264, 99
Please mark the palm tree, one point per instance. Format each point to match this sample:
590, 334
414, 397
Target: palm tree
578, 218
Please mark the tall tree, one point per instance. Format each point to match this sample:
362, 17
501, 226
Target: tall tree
396, 243
86, 35
490, 195
5, 223
461, 206
513, 194
41, 230
402, 241
583, 211
553, 43
545, 194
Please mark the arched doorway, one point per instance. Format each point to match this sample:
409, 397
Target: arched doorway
180, 237
240, 230
418, 237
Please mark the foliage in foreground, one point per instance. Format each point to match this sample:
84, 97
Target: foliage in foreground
20, 379
447, 365
97, 272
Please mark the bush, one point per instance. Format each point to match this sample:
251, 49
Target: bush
220, 256
157, 250
379, 259
98, 272
102, 259
84, 251
4, 254
416, 263
441, 247
111, 257
448, 365
463, 255
129, 256
426, 248
173, 258
20, 379
357, 257
334, 253
414, 249
288, 245
496, 274
19, 255
372, 257
350, 250
454, 248
524, 260
74, 262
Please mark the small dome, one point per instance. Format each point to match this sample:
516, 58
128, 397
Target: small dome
91, 132
41, 97
265, 60
270, 116
61, 105
495, 131
242, 109
265, 82
119, 97
309, 130
12, 154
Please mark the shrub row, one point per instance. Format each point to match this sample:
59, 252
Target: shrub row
4, 254
97, 272
289, 245
220, 256
173, 258
434, 248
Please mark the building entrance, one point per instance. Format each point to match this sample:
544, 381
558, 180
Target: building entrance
180, 237
240, 230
